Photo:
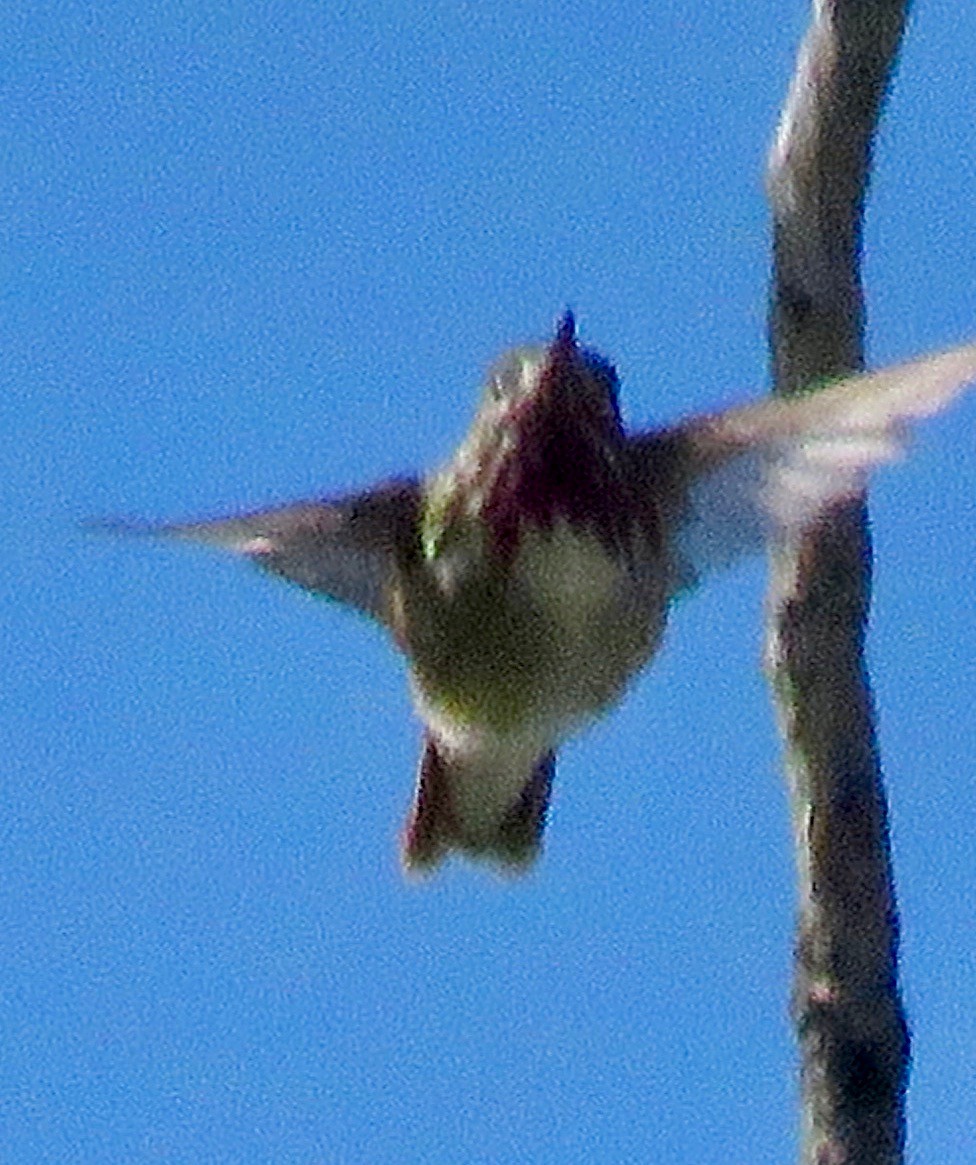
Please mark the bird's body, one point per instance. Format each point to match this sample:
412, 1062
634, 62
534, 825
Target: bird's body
528, 581
549, 639
540, 589
517, 658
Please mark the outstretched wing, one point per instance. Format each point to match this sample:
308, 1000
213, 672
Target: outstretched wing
344, 548
732, 478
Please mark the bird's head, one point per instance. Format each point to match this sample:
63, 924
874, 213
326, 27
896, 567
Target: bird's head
545, 443
561, 386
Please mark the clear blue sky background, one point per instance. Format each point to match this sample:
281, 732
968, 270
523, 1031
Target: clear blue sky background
253, 252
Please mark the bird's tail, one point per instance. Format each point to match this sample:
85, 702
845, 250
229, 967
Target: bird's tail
511, 840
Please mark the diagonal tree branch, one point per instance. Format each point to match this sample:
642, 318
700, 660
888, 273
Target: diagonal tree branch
853, 1037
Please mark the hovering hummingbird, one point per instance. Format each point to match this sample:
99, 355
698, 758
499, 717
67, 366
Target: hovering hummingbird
528, 580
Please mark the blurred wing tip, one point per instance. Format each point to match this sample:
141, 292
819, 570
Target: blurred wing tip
221, 535
933, 382
217, 533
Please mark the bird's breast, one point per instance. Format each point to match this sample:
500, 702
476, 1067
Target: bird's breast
538, 644
572, 578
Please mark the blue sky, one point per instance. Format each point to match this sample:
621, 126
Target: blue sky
260, 252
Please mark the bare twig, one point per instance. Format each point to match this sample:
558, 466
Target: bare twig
853, 1036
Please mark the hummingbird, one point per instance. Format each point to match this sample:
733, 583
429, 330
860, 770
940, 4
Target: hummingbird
528, 581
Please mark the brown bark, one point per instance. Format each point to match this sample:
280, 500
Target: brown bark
851, 1028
